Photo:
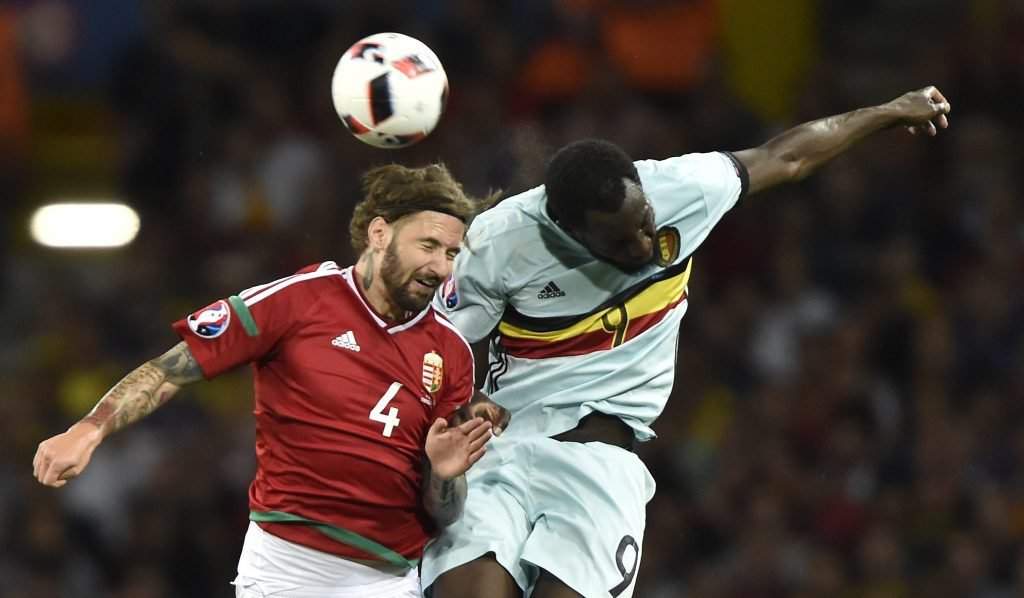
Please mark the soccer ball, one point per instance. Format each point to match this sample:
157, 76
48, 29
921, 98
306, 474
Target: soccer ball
389, 89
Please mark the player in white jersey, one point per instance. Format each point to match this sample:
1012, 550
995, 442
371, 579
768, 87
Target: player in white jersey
583, 282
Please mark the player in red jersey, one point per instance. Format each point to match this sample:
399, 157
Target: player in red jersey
355, 374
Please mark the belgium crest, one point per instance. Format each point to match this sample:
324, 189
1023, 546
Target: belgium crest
668, 246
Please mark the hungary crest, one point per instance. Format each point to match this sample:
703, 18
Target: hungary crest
433, 372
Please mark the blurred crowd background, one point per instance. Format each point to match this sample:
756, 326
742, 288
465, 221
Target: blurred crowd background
847, 415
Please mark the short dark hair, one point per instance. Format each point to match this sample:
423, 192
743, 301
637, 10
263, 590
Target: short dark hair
587, 175
394, 191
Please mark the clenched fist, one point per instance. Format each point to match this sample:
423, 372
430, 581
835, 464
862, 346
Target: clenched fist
923, 110
64, 456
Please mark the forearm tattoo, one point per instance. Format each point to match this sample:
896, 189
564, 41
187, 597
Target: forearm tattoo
447, 491
135, 396
179, 365
444, 499
144, 389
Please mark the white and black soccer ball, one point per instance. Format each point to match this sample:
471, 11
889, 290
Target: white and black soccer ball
390, 90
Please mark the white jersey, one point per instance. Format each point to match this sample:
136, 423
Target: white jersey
574, 334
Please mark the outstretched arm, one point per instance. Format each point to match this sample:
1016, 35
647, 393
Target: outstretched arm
138, 394
798, 152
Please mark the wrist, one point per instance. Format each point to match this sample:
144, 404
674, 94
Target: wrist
888, 114
88, 429
438, 477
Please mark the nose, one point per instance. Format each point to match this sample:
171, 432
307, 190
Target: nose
440, 266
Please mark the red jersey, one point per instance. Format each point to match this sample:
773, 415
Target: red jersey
343, 401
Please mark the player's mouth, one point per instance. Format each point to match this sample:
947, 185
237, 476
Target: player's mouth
428, 285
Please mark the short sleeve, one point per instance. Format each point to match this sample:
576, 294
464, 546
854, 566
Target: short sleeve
245, 328
693, 192
473, 298
726, 183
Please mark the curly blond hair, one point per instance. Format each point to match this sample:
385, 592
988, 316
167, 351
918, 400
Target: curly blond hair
394, 191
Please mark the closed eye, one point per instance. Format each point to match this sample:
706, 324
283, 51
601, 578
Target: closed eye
431, 245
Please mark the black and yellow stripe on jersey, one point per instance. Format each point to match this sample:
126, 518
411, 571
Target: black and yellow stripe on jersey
623, 317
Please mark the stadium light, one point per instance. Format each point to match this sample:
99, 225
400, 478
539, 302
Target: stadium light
82, 225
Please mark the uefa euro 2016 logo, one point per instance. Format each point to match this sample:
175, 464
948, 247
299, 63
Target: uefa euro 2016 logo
450, 292
211, 321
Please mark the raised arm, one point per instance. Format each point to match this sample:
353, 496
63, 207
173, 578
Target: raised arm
798, 152
64, 456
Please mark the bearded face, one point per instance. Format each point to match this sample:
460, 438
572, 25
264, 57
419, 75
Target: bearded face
419, 258
410, 287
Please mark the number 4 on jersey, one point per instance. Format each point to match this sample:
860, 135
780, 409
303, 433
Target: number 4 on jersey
390, 420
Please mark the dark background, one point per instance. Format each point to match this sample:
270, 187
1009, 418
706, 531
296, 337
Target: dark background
846, 415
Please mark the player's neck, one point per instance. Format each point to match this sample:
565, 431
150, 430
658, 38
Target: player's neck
372, 289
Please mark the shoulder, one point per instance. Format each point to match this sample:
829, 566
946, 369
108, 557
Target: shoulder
682, 182
311, 279
687, 164
512, 217
500, 234
454, 340
328, 266
695, 169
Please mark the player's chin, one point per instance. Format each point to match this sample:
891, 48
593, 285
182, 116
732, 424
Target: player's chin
632, 265
627, 264
418, 295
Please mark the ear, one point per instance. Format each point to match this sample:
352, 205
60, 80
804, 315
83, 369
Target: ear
378, 234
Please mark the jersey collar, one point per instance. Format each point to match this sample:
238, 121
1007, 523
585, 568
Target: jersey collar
349, 276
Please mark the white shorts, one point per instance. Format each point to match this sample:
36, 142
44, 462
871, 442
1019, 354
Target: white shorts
272, 567
575, 510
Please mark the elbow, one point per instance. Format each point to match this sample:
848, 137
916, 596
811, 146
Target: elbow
795, 168
800, 171
446, 519
444, 516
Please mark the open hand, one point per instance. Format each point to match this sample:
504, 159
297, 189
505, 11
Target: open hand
454, 449
922, 111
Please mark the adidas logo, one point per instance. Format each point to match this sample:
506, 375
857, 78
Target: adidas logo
550, 291
346, 341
